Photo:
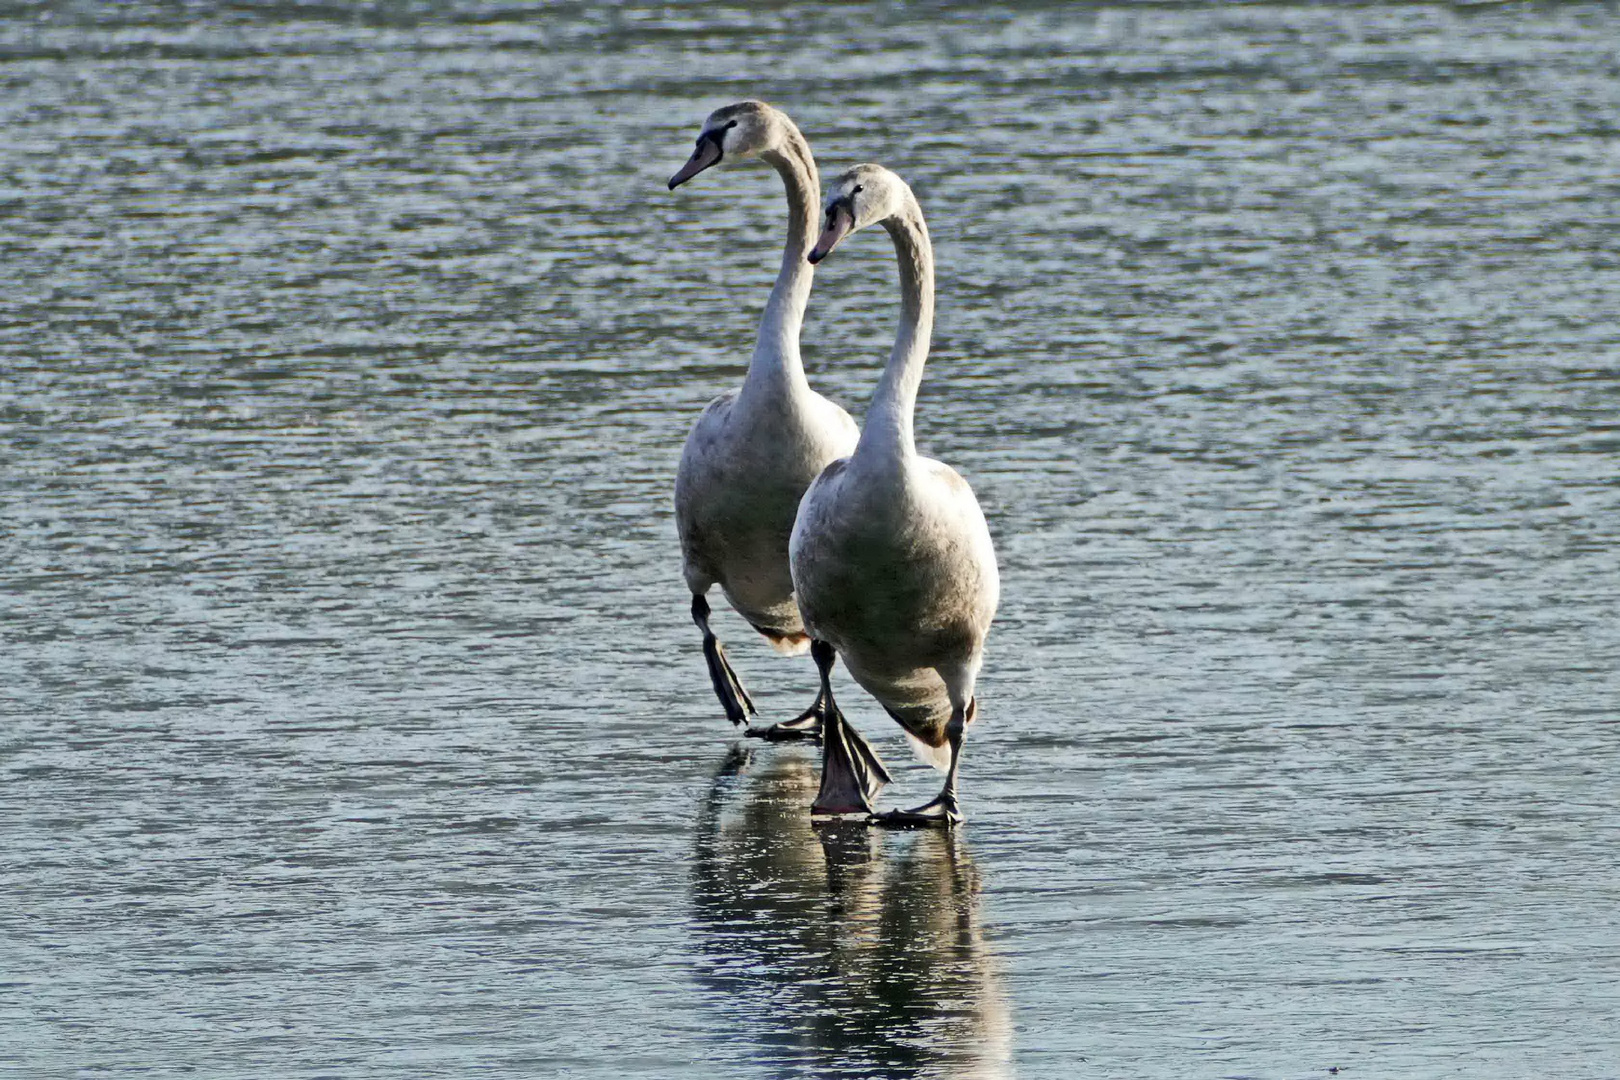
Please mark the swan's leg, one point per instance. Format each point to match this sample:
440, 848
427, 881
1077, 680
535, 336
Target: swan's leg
851, 773
727, 687
807, 725
943, 809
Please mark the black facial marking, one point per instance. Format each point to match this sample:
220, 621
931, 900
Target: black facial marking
846, 204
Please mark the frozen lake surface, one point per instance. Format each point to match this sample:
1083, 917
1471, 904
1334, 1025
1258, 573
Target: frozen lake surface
353, 722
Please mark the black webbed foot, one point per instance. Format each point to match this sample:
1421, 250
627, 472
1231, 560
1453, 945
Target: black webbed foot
727, 686
851, 772
942, 813
807, 725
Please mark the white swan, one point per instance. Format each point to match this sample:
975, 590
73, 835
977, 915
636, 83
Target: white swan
754, 450
891, 557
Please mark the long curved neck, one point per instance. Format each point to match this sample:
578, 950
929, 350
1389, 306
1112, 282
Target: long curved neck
887, 434
776, 368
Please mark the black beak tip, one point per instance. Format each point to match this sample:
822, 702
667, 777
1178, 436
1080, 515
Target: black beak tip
673, 183
816, 256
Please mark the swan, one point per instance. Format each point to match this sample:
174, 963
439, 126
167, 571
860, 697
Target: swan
753, 451
891, 557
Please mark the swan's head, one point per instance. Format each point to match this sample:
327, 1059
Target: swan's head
741, 131
865, 195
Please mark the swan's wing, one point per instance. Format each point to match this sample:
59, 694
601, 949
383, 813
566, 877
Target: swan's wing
960, 521
694, 479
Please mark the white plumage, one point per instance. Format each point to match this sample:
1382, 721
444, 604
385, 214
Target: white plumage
891, 557
753, 451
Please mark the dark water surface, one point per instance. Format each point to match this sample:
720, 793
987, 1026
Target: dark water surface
353, 724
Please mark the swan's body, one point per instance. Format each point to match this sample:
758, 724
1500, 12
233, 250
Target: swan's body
746, 464
896, 571
753, 451
891, 555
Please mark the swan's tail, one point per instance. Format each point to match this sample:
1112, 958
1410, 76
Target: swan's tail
789, 644
937, 756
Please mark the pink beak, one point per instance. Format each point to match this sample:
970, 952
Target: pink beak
707, 153
839, 224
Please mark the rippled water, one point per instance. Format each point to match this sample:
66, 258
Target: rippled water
354, 724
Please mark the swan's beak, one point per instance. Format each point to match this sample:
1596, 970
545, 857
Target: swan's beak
708, 153
839, 224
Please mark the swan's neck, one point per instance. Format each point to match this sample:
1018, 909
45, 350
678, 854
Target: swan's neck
776, 369
887, 435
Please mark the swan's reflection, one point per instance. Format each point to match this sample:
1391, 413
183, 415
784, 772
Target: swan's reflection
853, 950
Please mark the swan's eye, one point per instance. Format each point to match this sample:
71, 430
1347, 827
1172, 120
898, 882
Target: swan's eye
856, 190
731, 125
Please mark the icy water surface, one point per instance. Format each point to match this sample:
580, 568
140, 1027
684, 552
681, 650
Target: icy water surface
353, 722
